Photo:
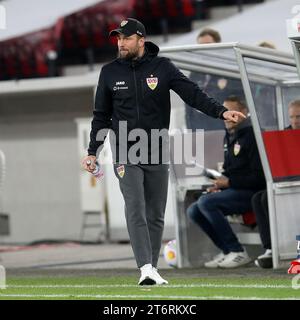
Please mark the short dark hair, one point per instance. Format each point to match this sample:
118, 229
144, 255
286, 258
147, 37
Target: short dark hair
210, 32
240, 101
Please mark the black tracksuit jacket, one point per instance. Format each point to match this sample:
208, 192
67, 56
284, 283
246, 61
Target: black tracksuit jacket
123, 94
242, 163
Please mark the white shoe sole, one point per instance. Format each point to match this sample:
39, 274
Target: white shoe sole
162, 282
235, 266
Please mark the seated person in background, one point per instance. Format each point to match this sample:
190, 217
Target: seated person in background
260, 200
231, 194
294, 115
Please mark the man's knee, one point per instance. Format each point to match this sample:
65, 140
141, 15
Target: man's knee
206, 203
192, 211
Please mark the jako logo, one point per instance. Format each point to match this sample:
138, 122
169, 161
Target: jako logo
2, 17
296, 282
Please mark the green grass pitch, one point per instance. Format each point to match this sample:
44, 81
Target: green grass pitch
125, 287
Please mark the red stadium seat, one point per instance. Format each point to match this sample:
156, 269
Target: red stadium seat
247, 219
283, 152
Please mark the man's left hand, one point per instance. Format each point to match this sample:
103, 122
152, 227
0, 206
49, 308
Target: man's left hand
221, 183
234, 116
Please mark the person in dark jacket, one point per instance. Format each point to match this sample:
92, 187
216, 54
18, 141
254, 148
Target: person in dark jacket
231, 194
133, 94
260, 200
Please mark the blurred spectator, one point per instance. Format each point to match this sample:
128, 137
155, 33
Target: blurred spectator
267, 44
214, 85
208, 36
260, 200
294, 114
231, 194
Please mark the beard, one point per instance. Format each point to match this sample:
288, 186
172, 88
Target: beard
128, 55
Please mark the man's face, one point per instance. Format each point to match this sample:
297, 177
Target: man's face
294, 115
233, 106
130, 47
206, 39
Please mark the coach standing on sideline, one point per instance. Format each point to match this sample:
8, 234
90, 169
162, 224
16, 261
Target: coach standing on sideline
135, 88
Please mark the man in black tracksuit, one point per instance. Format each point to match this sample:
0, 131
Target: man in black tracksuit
133, 93
242, 177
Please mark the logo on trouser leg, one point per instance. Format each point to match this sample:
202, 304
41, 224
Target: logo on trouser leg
121, 171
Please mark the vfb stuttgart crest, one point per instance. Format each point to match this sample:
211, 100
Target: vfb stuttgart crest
152, 82
236, 148
121, 171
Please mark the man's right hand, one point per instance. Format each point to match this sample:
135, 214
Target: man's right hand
89, 163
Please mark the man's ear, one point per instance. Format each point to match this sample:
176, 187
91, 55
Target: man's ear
141, 42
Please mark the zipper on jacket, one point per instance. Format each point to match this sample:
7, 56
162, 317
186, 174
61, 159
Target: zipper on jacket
142, 88
136, 94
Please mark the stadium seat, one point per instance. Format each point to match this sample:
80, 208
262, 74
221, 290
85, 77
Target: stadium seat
246, 220
249, 219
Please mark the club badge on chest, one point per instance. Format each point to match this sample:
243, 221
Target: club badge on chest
236, 148
152, 82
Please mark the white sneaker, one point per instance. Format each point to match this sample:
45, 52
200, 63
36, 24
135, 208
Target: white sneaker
265, 260
147, 275
157, 277
215, 261
234, 260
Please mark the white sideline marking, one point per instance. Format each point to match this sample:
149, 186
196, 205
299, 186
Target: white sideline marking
100, 296
202, 285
